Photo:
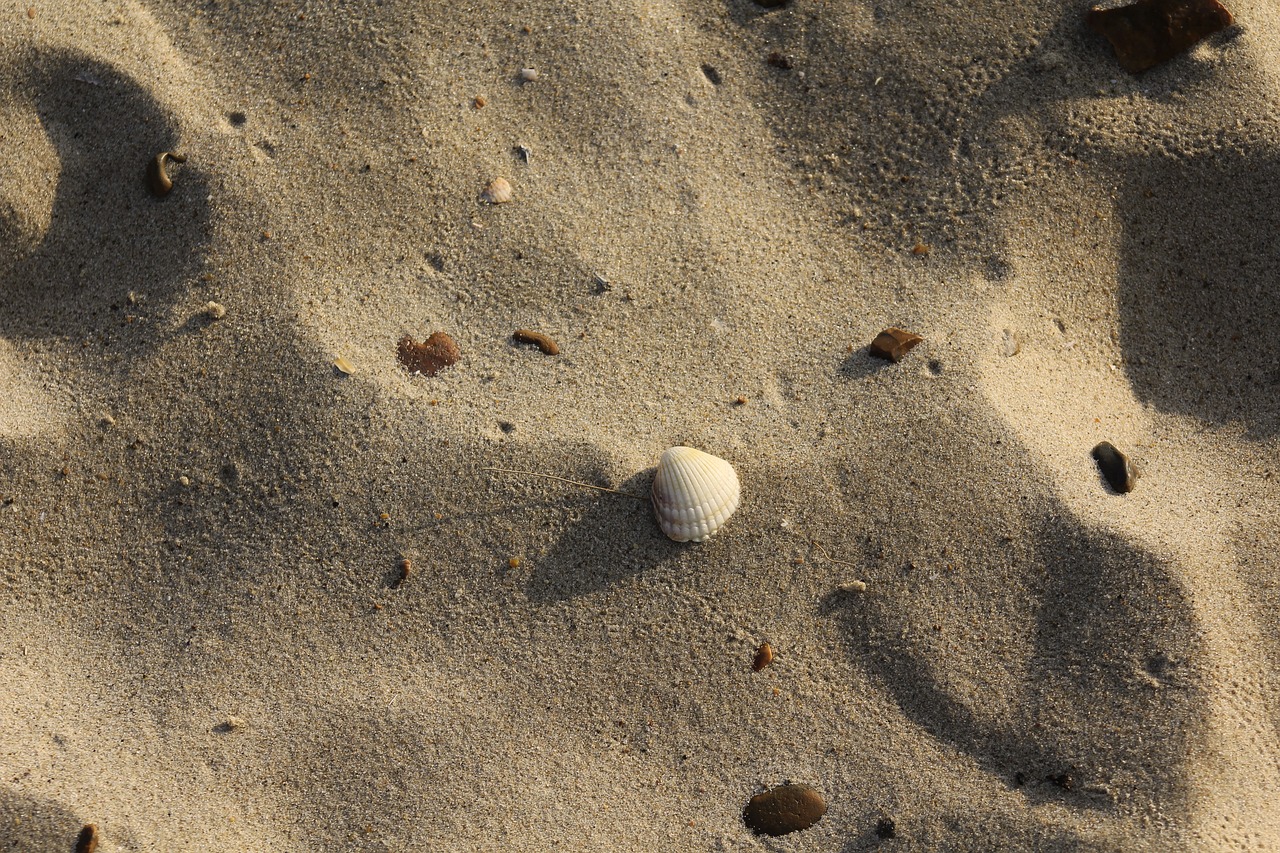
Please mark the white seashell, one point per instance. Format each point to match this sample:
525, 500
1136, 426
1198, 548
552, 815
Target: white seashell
498, 191
694, 493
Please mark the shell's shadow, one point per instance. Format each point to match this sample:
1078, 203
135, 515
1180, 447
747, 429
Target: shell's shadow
611, 537
1104, 628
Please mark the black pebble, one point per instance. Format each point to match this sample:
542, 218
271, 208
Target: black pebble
1121, 474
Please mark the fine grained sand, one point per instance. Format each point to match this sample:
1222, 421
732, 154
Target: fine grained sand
202, 642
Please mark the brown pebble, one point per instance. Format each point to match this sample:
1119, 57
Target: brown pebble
920, 249
893, 344
1150, 32
158, 180
406, 568
542, 341
740, 401
513, 563
784, 809
429, 357
480, 101
31, 11
764, 657
1120, 472
87, 841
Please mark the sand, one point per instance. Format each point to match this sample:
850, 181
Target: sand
204, 640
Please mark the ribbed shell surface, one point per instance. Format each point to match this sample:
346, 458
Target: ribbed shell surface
694, 493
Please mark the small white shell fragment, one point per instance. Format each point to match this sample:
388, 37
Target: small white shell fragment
528, 75
854, 586
498, 192
694, 493
343, 366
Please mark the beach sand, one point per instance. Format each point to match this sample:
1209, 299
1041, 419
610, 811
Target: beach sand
205, 642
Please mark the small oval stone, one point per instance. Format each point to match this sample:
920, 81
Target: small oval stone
1119, 471
784, 809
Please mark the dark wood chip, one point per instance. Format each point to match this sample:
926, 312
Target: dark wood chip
1120, 472
1153, 31
893, 344
87, 841
429, 357
764, 657
543, 342
784, 809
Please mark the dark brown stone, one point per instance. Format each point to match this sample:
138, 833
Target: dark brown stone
429, 357
1153, 31
893, 344
784, 809
1120, 472
87, 841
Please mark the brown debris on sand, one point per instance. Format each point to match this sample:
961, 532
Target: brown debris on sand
429, 357
892, 344
1150, 32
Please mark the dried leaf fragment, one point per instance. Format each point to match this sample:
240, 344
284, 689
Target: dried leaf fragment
543, 342
1149, 32
893, 344
158, 180
429, 357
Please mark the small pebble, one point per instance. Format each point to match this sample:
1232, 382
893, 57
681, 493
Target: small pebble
893, 344
429, 357
853, 586
87, 840
343, 366
184, 481
784, 809
1121, 474
480, 101
764, 657
406, 568
528, 75
778, 59
920, 249
215, 310
107, 421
